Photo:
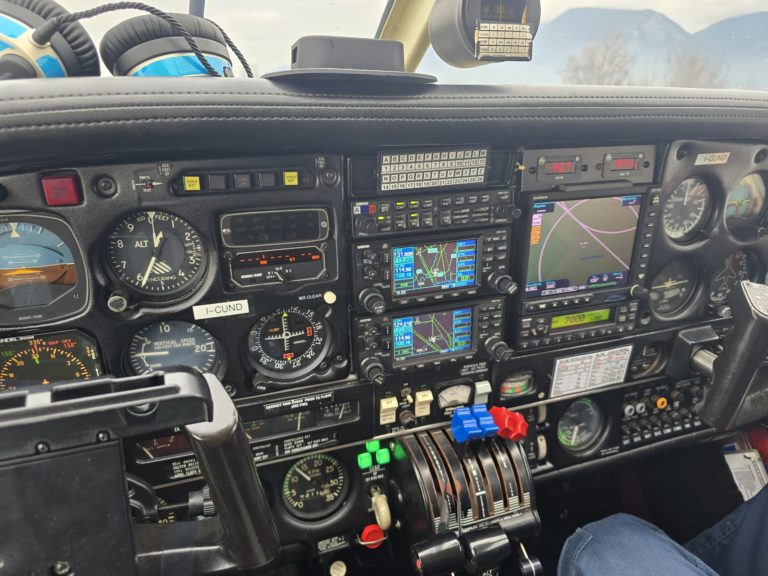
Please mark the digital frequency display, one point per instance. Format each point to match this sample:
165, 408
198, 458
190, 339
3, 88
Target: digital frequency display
434, 267
433, 334
577, 245
568, 321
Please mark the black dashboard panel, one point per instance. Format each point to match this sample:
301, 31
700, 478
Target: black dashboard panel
358, 267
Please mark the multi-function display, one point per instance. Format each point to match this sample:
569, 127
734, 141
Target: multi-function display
432, 334
581, 244
432, 267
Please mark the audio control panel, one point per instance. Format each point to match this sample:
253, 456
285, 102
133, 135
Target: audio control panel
399, 215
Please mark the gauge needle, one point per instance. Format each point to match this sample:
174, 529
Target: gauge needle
145, 354
669, 284
303, 475
149, 270
575, 434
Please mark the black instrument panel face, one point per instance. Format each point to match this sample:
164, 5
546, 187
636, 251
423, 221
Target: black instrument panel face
337, 307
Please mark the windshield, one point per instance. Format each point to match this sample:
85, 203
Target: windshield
695, 43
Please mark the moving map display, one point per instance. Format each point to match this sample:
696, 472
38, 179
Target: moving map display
583, 244
434, 267
435, 333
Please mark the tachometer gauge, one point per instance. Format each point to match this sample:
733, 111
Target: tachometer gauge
157, 255
49, 359
580, 427
289, 342
315, 487
174, 343
745, 204
673, 287
42, 275
687, 209
737, 267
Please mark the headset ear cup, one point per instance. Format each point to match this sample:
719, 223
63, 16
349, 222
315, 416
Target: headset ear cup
144, 29
74, 34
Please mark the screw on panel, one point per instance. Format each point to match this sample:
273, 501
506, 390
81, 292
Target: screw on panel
102, 436
42, 447
61, 568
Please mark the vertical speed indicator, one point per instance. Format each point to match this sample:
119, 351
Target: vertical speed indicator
156, 254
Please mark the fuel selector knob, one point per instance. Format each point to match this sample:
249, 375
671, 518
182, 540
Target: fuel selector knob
503, 283
372, 370
372, 300
497, 349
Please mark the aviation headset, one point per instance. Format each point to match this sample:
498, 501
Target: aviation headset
40, 39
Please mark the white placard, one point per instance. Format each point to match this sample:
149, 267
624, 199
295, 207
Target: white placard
220, 309
712, 159
576, 374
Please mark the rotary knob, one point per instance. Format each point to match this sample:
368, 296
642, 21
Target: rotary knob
498, 349
503, 283
372, 300
373, 370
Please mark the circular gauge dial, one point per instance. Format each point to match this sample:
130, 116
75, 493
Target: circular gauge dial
687, 209
315, 487
156, 254
737, 267
745, 203
580, 427
288, 342
673, 288
41, 267
174, 343
63, 357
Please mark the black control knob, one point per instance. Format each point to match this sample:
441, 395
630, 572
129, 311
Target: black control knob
372, 300
407, 418
372, 370
370, 254
368, 225
508, 212
369, 272
497, 349
502, 283
639, 292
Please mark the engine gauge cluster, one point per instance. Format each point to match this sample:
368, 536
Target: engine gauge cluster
48, 359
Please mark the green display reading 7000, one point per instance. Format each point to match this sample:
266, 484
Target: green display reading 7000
580, 319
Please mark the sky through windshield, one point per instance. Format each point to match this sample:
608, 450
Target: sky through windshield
669, 42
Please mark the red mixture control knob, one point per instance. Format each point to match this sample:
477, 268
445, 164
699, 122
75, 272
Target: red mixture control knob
372, 536
512, 425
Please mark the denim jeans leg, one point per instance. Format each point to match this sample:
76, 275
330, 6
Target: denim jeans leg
738, 544
623, 545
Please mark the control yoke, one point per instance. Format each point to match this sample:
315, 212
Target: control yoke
738, 393
63, 483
